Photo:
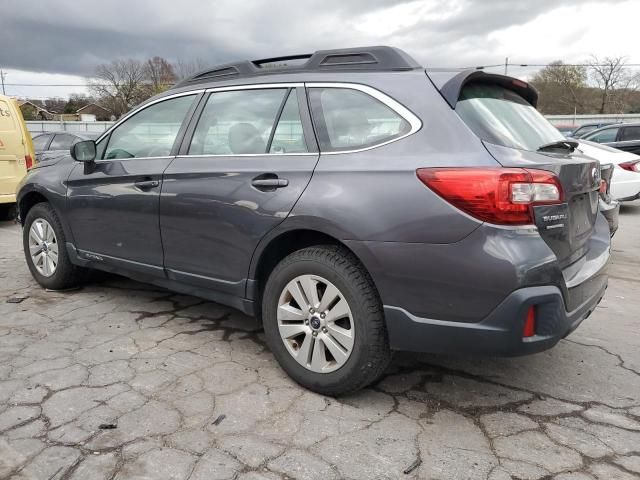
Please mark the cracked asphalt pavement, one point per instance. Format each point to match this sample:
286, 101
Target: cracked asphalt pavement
119, 380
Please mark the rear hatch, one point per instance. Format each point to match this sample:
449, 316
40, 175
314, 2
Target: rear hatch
12, 147
517, 135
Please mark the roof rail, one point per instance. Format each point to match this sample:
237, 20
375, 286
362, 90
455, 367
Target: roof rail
378, 58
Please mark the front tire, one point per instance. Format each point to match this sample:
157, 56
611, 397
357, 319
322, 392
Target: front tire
44, 249
324, 321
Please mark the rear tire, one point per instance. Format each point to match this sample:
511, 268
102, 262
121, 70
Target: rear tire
359, 331
53, 272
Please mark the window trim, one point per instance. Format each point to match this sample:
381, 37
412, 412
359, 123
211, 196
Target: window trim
397, 107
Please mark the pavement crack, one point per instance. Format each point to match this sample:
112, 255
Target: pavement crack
621, 362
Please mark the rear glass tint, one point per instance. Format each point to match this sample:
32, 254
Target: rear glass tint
500, 116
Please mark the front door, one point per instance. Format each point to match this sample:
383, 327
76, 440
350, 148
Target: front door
113, 203
239, 176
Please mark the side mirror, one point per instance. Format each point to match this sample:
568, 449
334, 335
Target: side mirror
84, 151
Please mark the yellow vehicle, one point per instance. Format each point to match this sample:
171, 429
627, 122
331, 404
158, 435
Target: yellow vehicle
16, 154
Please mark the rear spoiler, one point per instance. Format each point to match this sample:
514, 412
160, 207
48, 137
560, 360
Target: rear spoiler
451, 88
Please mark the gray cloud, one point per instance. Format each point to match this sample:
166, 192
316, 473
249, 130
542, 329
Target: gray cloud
64, 36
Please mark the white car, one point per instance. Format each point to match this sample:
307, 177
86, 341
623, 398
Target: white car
625, 182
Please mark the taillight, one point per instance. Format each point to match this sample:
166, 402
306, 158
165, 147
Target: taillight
632, 166
28, 161
497, 195
529, 329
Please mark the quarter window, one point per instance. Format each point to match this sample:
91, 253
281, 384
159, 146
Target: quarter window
605, 136
349, 119
150, 132
237, 122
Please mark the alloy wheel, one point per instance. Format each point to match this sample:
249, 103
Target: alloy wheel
315, 323
43, 247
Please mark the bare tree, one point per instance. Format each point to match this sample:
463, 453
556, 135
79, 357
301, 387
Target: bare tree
614, 81
160, 74
120, 85
186, 68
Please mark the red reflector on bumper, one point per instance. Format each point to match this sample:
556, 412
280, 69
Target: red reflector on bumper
530, 323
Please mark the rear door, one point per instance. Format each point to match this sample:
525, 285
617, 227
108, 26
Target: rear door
113, 204
245, 161
12, 150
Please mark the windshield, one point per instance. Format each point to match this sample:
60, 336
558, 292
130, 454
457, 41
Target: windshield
501, 116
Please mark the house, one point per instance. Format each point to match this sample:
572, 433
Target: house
31, 111
100, 113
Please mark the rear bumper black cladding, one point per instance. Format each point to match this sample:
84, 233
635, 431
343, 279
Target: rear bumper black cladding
500, 333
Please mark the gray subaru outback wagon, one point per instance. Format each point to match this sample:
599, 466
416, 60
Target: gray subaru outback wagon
353, 201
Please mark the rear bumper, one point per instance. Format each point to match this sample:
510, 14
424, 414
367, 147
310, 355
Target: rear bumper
500, 333
8, 198
559, 309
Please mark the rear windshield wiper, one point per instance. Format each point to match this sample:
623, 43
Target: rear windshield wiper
570, 145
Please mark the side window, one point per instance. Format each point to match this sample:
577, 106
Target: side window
289, 136
40, 142
150, 132
630, 133
605, 136
349, 119
237, 122
62, 141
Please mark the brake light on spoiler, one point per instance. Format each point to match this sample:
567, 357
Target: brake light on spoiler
503, 196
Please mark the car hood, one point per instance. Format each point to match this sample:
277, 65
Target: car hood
605, 154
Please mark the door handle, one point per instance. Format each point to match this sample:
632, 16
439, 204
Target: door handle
146, 184
269, 182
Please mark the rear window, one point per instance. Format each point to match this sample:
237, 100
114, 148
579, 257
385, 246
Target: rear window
500, 116
62, 142
40, 142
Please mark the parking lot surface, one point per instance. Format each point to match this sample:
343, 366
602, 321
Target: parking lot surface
121, 380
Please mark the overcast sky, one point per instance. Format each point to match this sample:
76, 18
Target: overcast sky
62, 41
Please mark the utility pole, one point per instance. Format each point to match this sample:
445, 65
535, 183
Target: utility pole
506, 64
2, 74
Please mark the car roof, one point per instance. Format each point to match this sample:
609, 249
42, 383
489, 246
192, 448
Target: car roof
359, 59
83, 135
613, 125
